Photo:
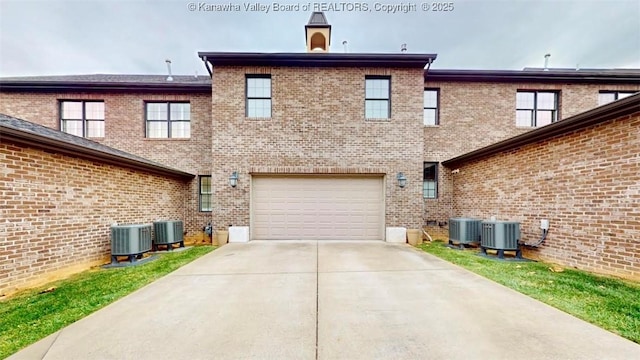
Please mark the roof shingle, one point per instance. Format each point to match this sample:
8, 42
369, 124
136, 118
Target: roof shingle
112, 78
25, 131
317, 18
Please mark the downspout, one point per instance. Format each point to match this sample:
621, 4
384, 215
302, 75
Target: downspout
428, 66
424, 233
427, 70
206, 65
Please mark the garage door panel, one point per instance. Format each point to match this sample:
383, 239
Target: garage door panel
322, 208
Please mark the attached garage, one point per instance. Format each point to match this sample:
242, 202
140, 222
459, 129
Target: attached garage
317, 208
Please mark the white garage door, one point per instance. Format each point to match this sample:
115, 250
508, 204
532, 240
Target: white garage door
317, 208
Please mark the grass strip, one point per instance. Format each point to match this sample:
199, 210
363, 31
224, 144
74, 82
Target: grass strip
33, 314
610, 303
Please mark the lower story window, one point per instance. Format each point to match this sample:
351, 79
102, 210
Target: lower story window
205, 193
430, 180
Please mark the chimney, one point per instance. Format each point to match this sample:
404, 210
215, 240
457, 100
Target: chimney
169, 78
344, 43
546, 62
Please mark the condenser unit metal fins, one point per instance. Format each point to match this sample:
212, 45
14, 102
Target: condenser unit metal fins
464, 231
168, 233
130, 240
501, 236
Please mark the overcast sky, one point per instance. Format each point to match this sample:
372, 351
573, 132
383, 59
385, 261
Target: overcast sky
58, 37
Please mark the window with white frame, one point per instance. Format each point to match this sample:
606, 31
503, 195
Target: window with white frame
82, 118
258, 90
605, 97
536, 108
377, 103
168, 120
431, 104
430, 180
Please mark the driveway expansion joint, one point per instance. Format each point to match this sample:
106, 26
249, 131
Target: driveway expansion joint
51, 345
251, 273
383, 271
380, 303
317, 295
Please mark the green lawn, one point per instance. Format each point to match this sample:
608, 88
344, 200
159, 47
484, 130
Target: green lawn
609, 303
30, 316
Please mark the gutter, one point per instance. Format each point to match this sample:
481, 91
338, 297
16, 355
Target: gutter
534, 76
388, 60
63, 86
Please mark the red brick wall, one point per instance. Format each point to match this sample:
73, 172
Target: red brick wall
125, 130
477, 114
317, 126
57, 210
587, 183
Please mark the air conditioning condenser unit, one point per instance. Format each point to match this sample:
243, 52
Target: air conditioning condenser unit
501, 236
130, 240
464, 231
168, 233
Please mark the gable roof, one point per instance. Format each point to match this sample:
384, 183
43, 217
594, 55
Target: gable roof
616, 109
108, 82
28, 133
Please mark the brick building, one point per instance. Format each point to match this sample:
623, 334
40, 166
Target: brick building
582, 174
480, 107
317, 145
60, 195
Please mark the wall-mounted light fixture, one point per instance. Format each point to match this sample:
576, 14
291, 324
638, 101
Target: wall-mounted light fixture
233, 179
402, 180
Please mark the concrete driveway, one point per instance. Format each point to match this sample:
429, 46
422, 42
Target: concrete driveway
328, 300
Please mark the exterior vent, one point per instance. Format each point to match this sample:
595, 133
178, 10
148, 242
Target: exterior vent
130, 240
464, 231
501, 236
168, 233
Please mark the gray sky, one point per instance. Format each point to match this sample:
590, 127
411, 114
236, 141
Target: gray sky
135, 36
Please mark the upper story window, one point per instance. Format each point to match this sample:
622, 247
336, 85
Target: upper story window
168, 120
377, 103
258, 96
431, 105
605, 97
536, 108
430, 180
82, 118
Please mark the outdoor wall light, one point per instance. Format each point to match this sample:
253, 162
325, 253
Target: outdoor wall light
233, 179
402, 180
